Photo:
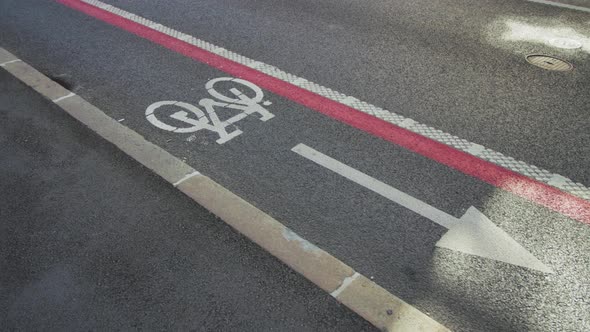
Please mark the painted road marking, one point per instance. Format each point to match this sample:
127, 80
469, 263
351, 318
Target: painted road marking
361, 295
472, 234
240, 101
562, 5
527, 181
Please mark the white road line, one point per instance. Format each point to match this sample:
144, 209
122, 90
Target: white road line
427, 211
347, 281
531, 171
71, 94
562, 5
186, 178
472, 234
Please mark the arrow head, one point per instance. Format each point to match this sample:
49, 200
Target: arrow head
475, 234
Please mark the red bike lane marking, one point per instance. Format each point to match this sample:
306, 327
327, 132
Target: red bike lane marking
500, 177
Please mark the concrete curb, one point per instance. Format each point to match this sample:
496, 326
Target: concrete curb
361, 295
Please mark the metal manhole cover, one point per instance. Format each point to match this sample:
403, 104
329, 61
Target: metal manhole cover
549, 62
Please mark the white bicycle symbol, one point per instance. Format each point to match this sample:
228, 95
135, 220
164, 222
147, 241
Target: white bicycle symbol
247, 102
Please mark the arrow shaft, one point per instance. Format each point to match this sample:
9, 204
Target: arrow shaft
399, 197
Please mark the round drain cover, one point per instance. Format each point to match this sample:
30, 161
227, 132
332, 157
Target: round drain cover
549, 62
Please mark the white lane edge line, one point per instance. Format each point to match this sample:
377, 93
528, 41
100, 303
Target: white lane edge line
71, 94
186, 177
345, 283
531, 171
9, 62
562, 5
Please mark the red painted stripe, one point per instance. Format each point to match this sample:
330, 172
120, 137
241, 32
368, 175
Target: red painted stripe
538, 192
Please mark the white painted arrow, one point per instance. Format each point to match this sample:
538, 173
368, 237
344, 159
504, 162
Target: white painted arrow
473, 233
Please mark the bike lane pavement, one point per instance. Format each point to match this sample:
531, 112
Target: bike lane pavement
457, 66
92, 240
124, 75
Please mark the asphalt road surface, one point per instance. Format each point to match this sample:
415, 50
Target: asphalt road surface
457, 66
91, 240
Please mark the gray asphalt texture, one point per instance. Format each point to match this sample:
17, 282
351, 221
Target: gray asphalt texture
442, 72
91, 240
442, 63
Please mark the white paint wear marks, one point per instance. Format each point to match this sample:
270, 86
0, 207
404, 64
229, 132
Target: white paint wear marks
9, 62
474, 149
71, 94
188, 176
245, 98
562, 5
472, 234
305, 245
345, 283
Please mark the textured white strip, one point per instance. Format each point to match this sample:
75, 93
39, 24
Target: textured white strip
71, 94
345, 283
7, 62
562, 5
188, 176
477, 150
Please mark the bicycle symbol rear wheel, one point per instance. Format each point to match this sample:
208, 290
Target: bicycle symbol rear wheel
198, 123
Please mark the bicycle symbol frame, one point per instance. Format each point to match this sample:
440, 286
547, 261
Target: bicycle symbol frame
208, 120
